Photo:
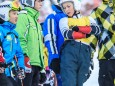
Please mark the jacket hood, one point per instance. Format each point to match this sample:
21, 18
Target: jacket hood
32, 12
8, 25
56, 8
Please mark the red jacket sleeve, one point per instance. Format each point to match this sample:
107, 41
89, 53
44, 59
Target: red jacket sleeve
1, 55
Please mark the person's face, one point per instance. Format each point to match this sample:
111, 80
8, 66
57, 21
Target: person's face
13, 16
68, 8
38, 4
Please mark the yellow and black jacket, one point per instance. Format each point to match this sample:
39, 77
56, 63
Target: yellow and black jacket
105, 16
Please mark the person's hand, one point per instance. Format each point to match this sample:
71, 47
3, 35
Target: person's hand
90, 68
55, 65
21, 73
42, 76
28, 68
95, 30
92, 64
2, 69
75, 28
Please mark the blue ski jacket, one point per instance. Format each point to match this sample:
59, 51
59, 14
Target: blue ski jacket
10, 45
52, 35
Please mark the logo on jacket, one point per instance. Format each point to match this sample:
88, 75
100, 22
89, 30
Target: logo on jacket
9, 38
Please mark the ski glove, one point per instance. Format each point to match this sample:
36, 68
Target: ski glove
75, 28
90, 68
21, 74
28, 68
42, 77
55, 65
95, 30
2, 69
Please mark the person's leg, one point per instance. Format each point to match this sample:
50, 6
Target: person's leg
69, 64
84, 63
4, 81
59, 80
35, 80
28, 79
13, 81
105, 74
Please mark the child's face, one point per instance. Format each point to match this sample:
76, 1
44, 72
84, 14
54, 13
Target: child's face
13, 16
38, 4
68, 8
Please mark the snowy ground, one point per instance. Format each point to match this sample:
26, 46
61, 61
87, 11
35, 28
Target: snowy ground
93, 80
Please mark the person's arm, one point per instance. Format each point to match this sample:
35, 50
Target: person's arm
69, 33
50, 33
19, 55
93, 29
2, 60
22, 29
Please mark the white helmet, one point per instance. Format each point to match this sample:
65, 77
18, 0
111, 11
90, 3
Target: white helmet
6, 6
76, 3
29, 3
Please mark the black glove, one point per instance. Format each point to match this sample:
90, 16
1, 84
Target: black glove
75, 28
92, 64
2, 64
42, 77
95, 30
88, 35
21, 73
55, 65
90, 68
1, 21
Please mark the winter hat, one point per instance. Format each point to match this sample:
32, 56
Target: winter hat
6, 6
76, 3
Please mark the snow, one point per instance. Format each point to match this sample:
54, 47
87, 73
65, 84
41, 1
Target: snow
93, 80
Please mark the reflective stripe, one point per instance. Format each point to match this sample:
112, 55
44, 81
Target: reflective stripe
52, 36
48, 37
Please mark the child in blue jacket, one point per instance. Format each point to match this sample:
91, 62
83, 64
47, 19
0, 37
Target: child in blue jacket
9, 40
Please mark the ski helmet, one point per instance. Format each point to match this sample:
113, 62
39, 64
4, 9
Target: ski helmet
29, 3
76, 3
6, 6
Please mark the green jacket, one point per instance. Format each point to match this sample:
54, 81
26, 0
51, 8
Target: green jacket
30, 35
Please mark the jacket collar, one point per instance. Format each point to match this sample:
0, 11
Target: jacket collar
56, 8
32, 12
8, 25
